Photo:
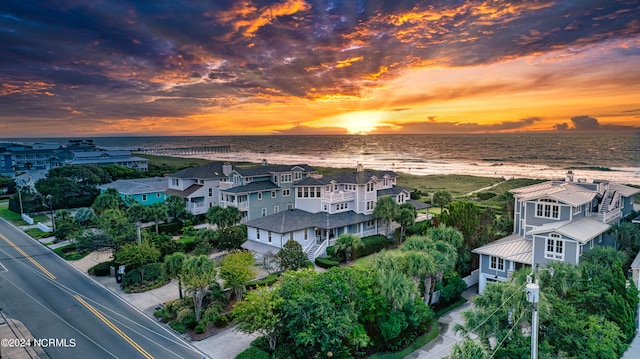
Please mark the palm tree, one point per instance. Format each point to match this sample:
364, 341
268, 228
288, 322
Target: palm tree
405, 217
398, 289
423, 266
442, 199
158, 212
198, 273
386, 209
347, 243
470, 349
173, 267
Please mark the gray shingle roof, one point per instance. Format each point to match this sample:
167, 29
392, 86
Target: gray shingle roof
252, 187
297, 219
211, 170
395, 190
138, 185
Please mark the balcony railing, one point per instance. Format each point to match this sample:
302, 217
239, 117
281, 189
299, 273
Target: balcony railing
338, 196
226, 185
609, 216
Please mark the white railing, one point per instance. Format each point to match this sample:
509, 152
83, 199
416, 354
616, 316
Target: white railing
340, 196
226, 185
321, 249
609, 216
308, 247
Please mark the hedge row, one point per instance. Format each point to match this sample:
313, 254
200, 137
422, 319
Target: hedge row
102, 269
326, 263
265, 282
253, 353
372, 244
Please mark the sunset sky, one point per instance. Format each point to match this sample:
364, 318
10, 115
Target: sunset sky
233, 67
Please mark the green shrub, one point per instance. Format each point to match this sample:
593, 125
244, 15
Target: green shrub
308, 264
200, 328
371, 244
331, 253
102, 269
163, 314
265, 282
483, 196
221, 321
253, 353
326, 263
172, 228
177, 326
152, 273
452, 289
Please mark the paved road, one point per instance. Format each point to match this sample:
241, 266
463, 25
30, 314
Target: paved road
55, 301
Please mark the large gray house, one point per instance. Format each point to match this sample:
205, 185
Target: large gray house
324, 208
556, 221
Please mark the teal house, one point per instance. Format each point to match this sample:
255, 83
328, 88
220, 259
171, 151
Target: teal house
142, 190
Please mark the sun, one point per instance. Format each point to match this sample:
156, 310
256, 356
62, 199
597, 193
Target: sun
359, 122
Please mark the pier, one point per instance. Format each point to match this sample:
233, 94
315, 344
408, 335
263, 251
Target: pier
167, 151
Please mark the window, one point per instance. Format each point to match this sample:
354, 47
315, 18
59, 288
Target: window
285, 178
496, 263
299, 192
257, 234
276, 209
324, 207
318, 192
306, 234
286, 192
175, 182
555, 247
290, 236
546, 209
290, 206
577, 210
269, 236
157, 195
144, 197
370, 205
273, 194
259, 196
297, 175
370, 187
210, 192
264, 212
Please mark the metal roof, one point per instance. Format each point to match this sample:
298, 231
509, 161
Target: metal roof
258, 247
513, 247
582, 230
565, 192
358, 177
268, 169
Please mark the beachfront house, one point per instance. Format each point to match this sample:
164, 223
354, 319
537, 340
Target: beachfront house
325, 208
146, 191
263, 190
199, 186
556, 221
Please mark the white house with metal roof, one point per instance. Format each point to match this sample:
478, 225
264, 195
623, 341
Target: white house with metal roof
556, 221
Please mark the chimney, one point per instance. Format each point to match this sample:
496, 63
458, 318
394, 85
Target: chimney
360, 167
569, 177
226, 168
264, 162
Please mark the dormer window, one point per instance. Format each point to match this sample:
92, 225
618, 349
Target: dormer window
547, 208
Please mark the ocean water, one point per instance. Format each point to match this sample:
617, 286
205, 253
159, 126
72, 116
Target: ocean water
614, 156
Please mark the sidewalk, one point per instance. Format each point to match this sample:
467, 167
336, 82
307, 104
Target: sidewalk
448, 337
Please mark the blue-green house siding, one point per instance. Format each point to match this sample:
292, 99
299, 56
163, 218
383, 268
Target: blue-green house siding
146, 199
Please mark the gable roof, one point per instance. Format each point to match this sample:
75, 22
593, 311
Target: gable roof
393, 191
296, 219
625, 191
513, 247
582, 230
565, 192
212, 170
138, 185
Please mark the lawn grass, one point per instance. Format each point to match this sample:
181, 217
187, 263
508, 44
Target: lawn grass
37, 233
12, 217
455, 184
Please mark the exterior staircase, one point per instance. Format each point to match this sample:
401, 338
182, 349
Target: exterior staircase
311, 251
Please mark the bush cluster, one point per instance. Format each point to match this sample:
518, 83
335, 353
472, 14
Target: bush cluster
102, 269
326, 263
172, 228
372, 244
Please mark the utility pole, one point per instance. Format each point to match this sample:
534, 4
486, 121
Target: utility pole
532, 291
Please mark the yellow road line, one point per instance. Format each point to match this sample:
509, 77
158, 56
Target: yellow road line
114, 328
43, 269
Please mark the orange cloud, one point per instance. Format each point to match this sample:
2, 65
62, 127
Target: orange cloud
26, 88
244, 15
